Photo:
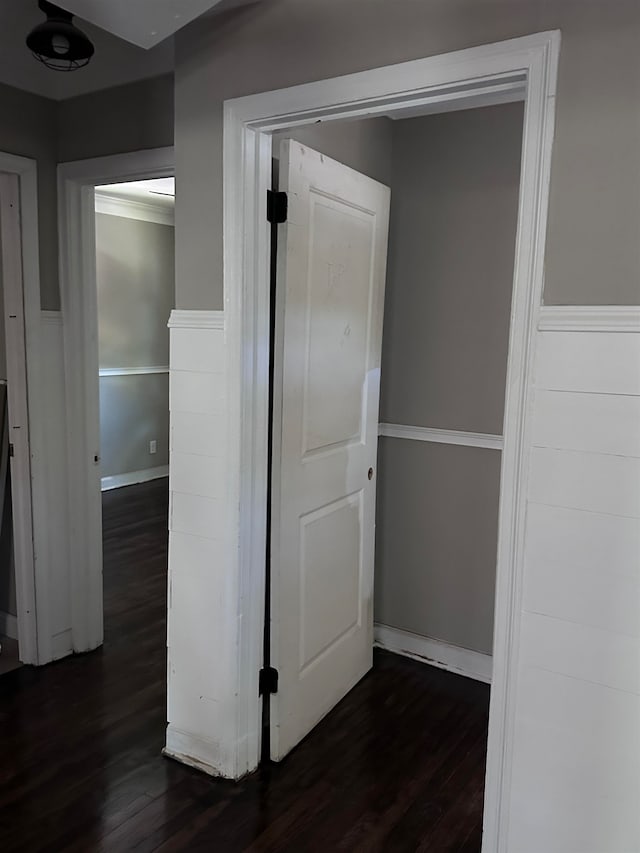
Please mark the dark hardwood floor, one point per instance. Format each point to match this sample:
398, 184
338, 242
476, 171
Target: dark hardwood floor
397, 766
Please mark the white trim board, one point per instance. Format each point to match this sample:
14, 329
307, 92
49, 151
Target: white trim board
116, 481
442, 436
8, 625
133, 371
24, 351
589, 318
434, 652
193, 319
127, 208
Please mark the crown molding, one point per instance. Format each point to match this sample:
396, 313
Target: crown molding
129, 209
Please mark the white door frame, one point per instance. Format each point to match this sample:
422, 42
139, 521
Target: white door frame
21, 284
78, 296
476, 76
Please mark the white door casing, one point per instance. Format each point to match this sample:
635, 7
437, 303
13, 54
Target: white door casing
330, 297
11, 258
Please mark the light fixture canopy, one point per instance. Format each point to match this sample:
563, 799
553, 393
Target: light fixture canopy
57, 42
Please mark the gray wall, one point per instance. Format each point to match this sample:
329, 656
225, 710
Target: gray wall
363, 145
454, 198
450, 271
595, 179
28, 128
136, 291
125, 118
436, 537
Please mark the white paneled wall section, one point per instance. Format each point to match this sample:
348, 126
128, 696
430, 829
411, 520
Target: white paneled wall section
576, 781
199, 687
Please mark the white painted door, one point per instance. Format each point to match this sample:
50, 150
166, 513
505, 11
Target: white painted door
330, 293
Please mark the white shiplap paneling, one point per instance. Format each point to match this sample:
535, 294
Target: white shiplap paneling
576, 772
596, 423
603, 656
194, 433
583, 567
198, 683
576, 779
594, 482
592, 362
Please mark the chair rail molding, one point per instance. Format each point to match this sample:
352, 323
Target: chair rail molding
193, 319
441, 436
133, 371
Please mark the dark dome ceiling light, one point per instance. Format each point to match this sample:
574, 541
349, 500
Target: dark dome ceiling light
57, 42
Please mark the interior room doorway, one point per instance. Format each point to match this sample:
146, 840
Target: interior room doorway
443, 368
248, 123
127, 435
135, 282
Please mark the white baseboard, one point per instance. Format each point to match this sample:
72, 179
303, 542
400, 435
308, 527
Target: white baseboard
8, 625
194, 751
434, 652
133, 477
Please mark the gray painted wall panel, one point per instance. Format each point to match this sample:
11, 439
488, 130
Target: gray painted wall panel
436, 540
125, 118
363, 145
28, 128
454, 207
135, 278
594, 182
136, 291
133, 411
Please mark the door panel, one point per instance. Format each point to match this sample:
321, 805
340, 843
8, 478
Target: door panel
329, 308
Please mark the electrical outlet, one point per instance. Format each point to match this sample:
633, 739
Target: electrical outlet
153, 446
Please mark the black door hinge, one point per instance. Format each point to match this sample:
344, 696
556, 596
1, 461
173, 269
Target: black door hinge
267, 681
277, 207
11, 450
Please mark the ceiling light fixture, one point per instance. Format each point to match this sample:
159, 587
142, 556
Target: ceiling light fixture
57, 42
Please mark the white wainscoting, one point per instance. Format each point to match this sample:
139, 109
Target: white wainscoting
576, 770
441, 436
434, 652
200, 627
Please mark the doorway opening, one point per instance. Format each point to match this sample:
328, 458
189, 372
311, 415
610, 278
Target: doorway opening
454, 183
473, 77
135, 285
102, 228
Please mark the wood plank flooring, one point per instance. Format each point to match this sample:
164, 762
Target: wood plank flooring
397, 766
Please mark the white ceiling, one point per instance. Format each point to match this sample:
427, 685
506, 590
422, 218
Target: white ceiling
142, 22
115, 62
158, 191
